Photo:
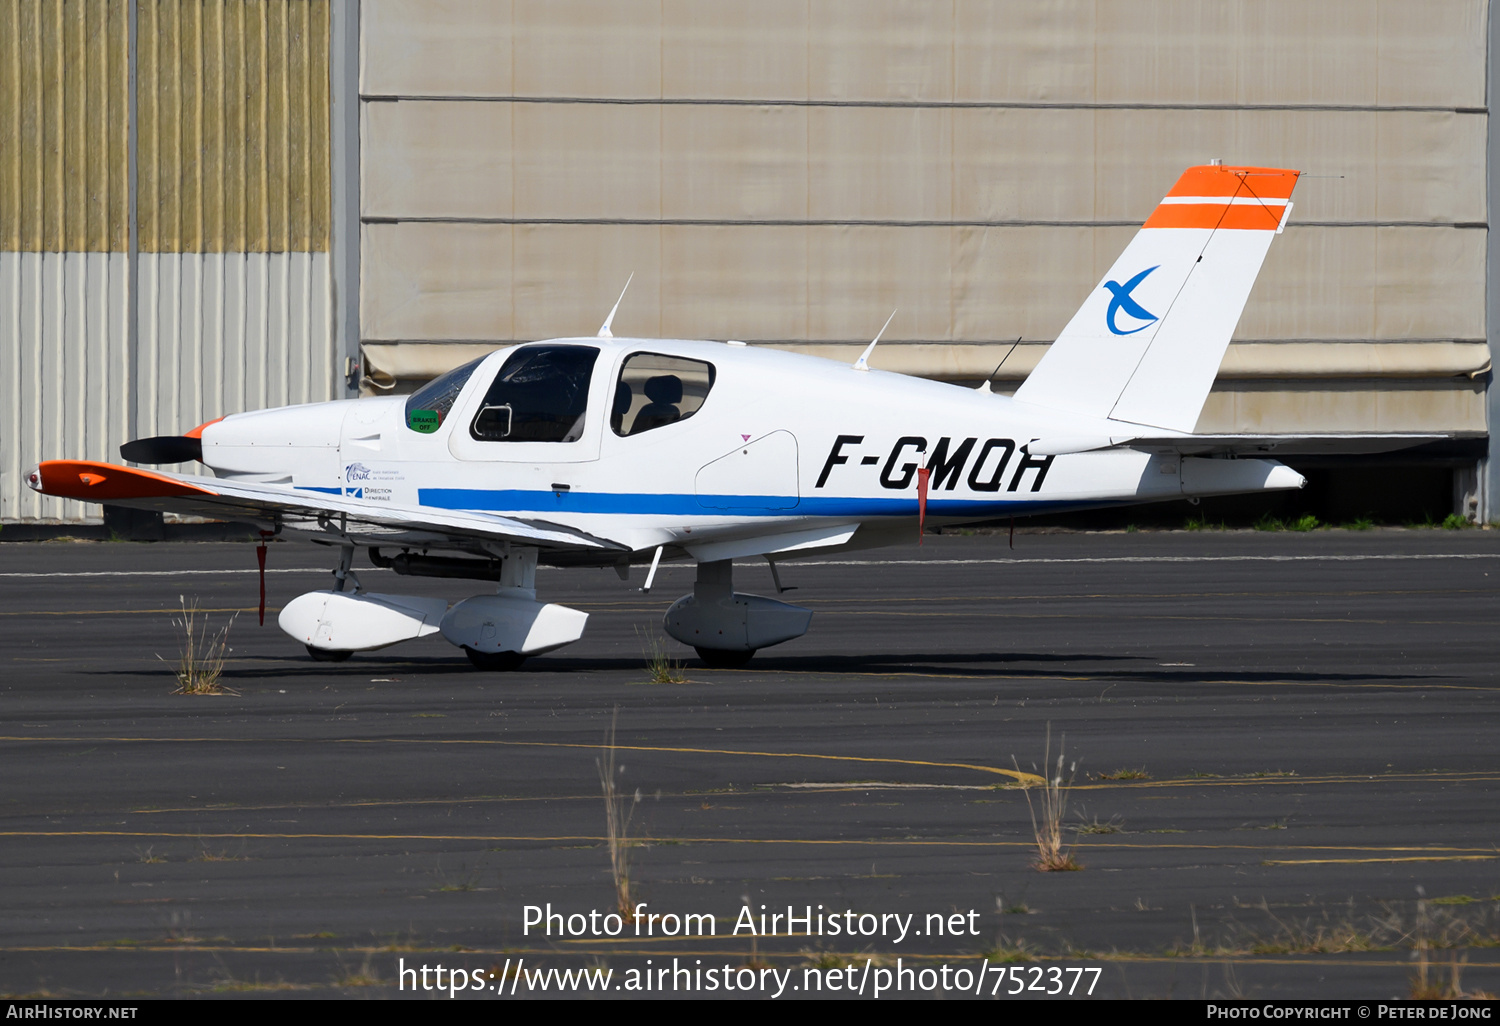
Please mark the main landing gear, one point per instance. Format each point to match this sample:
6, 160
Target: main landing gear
727, 628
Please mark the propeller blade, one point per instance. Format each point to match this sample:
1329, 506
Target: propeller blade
163, 449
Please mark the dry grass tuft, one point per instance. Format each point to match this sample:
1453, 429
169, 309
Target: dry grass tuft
1011, 951
618, 810
662, 667
814, 959
1440, 930
1114, 825
1126, 774
201, 664
365, 976
1052, 857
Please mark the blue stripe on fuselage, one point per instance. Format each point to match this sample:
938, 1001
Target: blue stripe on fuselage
648, 504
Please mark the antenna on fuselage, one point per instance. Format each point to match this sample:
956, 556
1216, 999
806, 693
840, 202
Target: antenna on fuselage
862, 363
984, 386
604, 331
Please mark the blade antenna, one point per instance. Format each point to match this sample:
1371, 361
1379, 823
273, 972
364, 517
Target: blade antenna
984, 386
862, 364
604, 331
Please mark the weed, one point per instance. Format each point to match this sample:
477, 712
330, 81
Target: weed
1202, 523
1313, 937
179, 930
823, 960
365, 976
1007, 950
1012, 907
618, 809
1269, 523
1131, 529
1048, 828
461, 885
1456, 522
1126, 774
1454, 899
1093, 826
206, 855
662, 667
1306, 522
1359, 524
201, 662
1433, 988
149, 856
1443, 930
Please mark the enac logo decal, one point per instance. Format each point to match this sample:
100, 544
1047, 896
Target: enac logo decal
1123, 298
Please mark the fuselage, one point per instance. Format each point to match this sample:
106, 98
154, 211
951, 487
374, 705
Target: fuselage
653, 442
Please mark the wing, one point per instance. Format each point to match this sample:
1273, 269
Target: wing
1236, 445
365, 523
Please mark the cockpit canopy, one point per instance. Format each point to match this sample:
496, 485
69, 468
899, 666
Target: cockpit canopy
540, 394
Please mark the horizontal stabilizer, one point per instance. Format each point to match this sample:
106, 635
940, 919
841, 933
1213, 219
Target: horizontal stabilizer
1235, 445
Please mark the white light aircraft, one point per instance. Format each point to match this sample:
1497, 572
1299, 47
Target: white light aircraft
614, 452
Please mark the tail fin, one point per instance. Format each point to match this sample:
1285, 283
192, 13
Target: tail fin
1146, 345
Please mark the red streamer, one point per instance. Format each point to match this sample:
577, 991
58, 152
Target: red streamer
922, 475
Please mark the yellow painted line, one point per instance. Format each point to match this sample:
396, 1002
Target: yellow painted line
606, 947
641, 842
1152, 617
376, 803
1407, 858
765, 791
1094, 848
1122, 677
1353, 778
1020, 777
123, 612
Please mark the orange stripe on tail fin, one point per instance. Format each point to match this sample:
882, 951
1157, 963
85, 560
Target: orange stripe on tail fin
1267, 183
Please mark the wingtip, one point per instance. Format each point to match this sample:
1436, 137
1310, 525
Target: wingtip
104, 482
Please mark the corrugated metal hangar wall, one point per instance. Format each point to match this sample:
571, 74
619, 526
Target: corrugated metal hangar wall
164, 223
780, 171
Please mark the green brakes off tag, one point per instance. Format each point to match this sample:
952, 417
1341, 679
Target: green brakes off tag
425, 421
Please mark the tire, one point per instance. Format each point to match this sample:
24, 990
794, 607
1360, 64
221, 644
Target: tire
495, 662
724, 658
329, 655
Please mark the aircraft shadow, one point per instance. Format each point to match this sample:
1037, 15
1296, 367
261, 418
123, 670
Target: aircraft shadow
977, 665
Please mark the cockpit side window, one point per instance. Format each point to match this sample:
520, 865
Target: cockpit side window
540, 395
655, 390
428, 406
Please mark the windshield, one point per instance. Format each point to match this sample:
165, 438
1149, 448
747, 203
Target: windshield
540, 395
428, 406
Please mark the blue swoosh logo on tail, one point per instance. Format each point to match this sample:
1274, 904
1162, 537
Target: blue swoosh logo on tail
1124, 300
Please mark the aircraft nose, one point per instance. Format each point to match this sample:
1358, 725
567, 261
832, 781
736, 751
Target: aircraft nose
34, 479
